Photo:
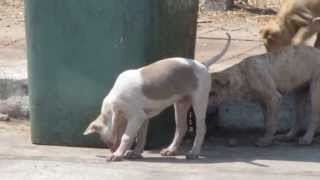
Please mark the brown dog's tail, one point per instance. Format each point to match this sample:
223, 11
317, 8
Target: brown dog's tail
214, 59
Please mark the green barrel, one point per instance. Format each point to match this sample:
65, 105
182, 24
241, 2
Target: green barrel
77, 48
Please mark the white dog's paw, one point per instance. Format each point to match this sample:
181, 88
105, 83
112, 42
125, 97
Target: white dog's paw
263, 142
133, 155
168, 152
305, 141
285, 138
114, 157
192, 156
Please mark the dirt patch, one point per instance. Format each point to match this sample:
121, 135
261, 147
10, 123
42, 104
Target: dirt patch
238, 21
15, 127
12, 23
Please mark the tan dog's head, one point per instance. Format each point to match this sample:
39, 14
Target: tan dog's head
220, 88
275, 36
110, 126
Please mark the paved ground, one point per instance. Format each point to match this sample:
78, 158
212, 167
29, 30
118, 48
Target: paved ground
19, 160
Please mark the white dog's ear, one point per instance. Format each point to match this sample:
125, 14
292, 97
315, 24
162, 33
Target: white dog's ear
119, 124
92, 128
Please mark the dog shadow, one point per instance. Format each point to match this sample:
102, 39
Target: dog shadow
219, 151
249, 155
201, 160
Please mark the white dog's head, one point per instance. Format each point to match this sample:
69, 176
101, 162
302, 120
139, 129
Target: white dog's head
110, 126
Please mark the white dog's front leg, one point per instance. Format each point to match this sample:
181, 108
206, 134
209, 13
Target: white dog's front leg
141, 141
127, 139
181, 109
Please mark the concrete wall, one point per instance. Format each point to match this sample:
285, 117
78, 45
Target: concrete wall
247, 115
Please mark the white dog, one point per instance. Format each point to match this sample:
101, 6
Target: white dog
141, 94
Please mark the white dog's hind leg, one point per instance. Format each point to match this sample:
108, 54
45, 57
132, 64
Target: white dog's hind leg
181, 109
133, 126
199, 104
140, 142
200, 113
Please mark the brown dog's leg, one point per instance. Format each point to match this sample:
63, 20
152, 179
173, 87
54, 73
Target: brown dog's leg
270, 111
300, 109
317, 42
316, 27
264, 86
302, 35
315, 112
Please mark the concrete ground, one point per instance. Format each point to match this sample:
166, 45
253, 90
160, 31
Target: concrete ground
19, 159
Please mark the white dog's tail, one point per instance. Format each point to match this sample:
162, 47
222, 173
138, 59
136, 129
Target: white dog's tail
214, 59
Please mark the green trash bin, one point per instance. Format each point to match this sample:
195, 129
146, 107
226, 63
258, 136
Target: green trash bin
77, 48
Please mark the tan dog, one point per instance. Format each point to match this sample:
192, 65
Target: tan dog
264, 78
294, 24
141, 94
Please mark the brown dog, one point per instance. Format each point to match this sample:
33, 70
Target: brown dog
264, 78
294, 24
